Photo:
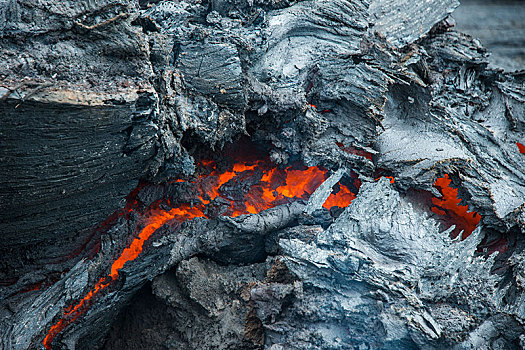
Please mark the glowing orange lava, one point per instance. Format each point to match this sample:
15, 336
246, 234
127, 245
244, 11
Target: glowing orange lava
521, 147
156, 220
341, 199
449, 206
249, 187
32, 287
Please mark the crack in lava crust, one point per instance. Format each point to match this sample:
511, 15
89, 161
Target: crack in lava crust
449, 206
267, 187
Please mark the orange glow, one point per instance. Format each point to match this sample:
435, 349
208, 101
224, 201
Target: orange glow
449, 206
388, 177
32, 287
273, 186
72, 313
249, 187
341, 199
156, 220
521, 147
301, 182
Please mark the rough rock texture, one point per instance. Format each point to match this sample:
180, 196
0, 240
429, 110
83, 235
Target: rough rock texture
201, 306
98, 95
384, 275
402, 22
227, 239
67, 165
77, 123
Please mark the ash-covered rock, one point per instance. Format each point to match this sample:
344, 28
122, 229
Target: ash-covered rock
202, 305
206, 306
385, 276
456, 125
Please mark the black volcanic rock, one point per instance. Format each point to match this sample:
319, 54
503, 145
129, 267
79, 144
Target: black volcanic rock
67, 165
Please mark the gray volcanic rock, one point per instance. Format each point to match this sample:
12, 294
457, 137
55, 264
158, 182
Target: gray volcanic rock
499, 26
105, 105
198, 305
63, 154
403, 22
447, 127
384, 275
78, 124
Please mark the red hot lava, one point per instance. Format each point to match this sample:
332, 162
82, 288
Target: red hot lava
521, 147
267, 187
449, 206
340, 199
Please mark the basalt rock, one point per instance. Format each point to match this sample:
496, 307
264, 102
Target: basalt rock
118, 118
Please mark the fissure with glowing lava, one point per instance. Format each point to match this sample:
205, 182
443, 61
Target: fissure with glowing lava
271, 186
267, 187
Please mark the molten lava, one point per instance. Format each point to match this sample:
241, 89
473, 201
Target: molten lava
449, 206
521, 147
388, 177
249, 187
32, 287
340, 199
156, 220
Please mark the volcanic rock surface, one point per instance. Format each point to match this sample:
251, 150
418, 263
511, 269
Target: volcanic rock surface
499, 26
231, 174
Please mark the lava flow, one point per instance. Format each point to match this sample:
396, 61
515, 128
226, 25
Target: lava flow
156, 220
449, 206
248, 187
